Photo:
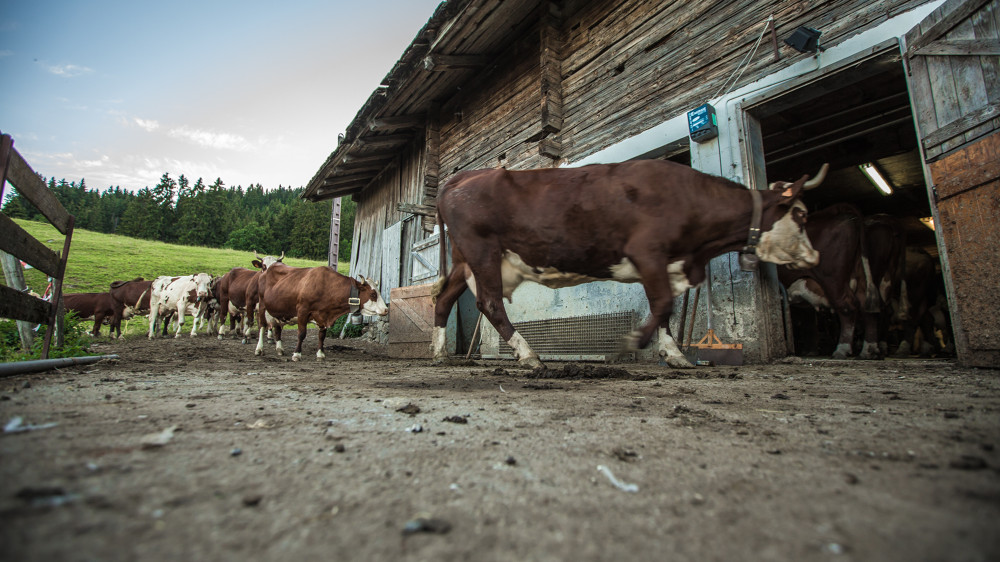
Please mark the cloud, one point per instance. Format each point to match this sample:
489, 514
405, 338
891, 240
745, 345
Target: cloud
147, 124
209, 139
68, 70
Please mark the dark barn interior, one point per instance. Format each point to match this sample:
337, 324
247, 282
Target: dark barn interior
858, 115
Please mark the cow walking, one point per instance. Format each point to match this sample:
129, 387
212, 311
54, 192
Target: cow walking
312, 294
178, 294
236, 290
130, 298
99, 306
653, 222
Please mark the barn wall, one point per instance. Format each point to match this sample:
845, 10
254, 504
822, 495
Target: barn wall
376, 211
631, 65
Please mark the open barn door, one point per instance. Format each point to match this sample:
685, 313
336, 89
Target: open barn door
953, 57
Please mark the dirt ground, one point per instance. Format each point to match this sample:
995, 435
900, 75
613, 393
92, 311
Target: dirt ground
363, 457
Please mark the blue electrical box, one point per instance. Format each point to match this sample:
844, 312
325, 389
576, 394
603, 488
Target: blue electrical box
703, 124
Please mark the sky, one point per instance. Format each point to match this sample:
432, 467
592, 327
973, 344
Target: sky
119, 92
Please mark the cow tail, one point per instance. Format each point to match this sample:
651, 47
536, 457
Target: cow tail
442, 279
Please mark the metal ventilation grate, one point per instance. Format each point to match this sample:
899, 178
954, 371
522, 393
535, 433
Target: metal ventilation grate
594, 337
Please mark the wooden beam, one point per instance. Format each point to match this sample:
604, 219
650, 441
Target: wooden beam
550, 68
443, 63
345, 180
22, 306
413, 208
383, 124
16, 241
550, 147
342, 171
432, 164
31, 186
348, 159
384, 141
961, 47
961, 125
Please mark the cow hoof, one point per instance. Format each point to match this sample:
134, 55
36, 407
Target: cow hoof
296, 356
444, 360
220, 337
532, 363
677, 362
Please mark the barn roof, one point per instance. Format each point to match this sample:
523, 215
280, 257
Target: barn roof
459, 40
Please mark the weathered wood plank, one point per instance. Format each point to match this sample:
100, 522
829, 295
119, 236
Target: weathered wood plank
947, 16
550, 71
961, 47
31, 186
16, 305
413, 208
383, 124
972, 121
16, 241
443, 63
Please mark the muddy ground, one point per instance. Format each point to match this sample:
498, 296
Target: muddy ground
362, 457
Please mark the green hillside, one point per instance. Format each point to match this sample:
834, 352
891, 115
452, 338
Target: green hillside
95, 259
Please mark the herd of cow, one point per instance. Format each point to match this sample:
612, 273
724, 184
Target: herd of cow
273, 294
652, 222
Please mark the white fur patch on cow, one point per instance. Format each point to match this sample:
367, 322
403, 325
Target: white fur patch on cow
521, 348
513, 272
799, 292
678, 281
438, 340
626, 272
786, 243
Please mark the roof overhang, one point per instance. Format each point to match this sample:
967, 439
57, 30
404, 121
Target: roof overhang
433, 68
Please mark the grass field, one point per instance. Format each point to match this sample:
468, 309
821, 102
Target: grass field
95, 259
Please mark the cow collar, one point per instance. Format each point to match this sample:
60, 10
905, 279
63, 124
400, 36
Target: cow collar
354, 301
748, 255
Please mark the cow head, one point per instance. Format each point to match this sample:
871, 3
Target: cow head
371, 301
262, 263
202, 282
783, 239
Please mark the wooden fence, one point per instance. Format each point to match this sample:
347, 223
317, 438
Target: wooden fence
14, 240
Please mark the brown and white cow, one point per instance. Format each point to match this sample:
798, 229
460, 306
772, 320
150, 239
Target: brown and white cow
310, 294
233, 293
174, 293
653, 222
842, 281
96, 306
130, 298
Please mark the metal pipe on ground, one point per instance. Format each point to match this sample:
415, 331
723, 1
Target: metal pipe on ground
37, 365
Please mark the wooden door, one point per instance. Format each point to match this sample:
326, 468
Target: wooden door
953, 57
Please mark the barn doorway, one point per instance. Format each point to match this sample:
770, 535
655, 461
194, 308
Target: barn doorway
856, 116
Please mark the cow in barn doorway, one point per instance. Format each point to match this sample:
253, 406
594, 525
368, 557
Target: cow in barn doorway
238, 288
311, 294
184, 295
842, 280
653, 222
96, 306
921, 308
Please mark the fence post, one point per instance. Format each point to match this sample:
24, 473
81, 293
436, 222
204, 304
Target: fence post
14, 275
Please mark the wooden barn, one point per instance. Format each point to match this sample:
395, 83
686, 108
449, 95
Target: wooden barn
908, 86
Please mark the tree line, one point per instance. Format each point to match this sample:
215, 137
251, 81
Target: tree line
215, 216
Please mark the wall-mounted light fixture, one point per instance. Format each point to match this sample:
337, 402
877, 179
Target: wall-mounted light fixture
804, 40
873, 175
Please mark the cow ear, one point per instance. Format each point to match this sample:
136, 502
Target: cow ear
257, 263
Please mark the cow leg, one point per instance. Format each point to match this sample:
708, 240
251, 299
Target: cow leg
322, 339
260, 342
446, 292
180, 318
154, 313
277, 338
487, 285
302, 337
847, 320
870, 349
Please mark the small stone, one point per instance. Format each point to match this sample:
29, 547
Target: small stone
236, 452
252, 501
